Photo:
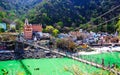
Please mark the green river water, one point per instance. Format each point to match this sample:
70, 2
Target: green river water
45, 66
55, 66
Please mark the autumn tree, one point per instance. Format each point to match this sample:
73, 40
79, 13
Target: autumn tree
66, 44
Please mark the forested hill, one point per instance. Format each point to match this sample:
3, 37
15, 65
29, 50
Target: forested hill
18, 7
71, 12
62, 13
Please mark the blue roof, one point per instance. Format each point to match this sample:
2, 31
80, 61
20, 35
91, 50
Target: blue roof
3, 25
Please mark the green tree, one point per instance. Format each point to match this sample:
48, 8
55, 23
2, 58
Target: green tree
12, 15
118, 26
2, 30
55, 32
19, 24
2, 15
60, 23
49, 29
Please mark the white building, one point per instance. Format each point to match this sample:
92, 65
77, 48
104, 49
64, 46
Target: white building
13, 25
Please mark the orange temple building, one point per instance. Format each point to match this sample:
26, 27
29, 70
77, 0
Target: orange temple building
30, 28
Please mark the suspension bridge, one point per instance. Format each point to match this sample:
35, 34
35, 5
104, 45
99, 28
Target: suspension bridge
56, 51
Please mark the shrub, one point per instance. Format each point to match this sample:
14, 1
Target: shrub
5, 38
2, 30
114, 40
55, 32
66, 44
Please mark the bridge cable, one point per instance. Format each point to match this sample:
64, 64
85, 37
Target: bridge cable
102, 15
104, 22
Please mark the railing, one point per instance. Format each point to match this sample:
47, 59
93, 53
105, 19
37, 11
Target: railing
83, 59
102, 61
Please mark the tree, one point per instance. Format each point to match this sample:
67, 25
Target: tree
60, 23
49, 29
2, 15
66, 44
19, 24
55, 32
2, 30
118, 26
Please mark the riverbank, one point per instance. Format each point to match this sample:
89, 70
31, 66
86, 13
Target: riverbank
100, 50
26, 54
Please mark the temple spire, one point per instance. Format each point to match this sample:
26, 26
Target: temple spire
26, 22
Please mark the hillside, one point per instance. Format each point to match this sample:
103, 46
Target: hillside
72, 12
19, 7
63, 13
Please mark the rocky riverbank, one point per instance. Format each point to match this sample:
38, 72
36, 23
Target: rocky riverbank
26, 54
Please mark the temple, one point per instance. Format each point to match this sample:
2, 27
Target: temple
30, 28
